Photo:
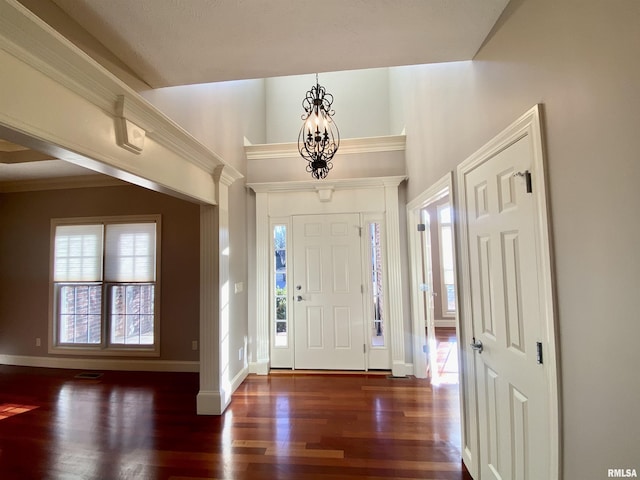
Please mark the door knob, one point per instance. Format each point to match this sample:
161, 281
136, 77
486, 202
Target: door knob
299, 298
477, 346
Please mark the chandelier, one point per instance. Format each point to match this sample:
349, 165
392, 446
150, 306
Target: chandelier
319, 138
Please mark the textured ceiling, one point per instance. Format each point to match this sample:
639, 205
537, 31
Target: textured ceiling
179, 42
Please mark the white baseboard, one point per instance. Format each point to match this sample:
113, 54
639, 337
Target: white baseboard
446, 322
401, 369
259, 368
211, 402
238, 379
215, 402
101, 364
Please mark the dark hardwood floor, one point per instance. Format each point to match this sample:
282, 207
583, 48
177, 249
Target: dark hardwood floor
127, 425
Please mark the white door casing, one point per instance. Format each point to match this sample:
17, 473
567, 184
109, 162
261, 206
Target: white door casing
327, 306
426, 309
434, 193
508, 305
375, 199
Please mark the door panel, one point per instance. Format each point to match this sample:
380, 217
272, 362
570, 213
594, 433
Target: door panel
513, 396
328, 311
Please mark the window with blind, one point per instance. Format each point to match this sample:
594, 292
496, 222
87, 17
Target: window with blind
104, 284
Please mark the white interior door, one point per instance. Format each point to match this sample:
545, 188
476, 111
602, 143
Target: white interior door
507, 314
426, 288
327, 279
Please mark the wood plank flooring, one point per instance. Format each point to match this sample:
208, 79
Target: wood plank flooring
128, 425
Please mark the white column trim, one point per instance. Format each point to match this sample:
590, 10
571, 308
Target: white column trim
394, 278
208, 401
216, 386
262, 353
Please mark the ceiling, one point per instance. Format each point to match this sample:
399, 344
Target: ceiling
180, 42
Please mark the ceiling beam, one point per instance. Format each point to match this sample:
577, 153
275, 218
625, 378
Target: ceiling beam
24, 156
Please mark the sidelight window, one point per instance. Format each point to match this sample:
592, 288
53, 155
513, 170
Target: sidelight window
376, 285
281, 314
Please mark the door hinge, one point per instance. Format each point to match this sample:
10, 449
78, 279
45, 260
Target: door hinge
527, 179
359, 231
539, 353
364, 348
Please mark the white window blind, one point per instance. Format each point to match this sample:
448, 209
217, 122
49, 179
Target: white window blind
130, 252
78, 253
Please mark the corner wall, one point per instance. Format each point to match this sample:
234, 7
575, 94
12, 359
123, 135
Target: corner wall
580, 60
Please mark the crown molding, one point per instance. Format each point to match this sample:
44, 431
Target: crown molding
348, 146
226, 174
324, 185
28, 38
61, 183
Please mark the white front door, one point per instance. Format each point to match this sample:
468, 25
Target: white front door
507, 311
327, 280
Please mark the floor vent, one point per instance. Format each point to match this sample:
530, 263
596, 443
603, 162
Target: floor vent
88, 375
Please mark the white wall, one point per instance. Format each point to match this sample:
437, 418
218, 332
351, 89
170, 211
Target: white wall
361, 103
580, 59
220, 115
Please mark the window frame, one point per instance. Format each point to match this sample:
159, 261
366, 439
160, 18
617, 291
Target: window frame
368, 294
105, 347
444, 302
288, 340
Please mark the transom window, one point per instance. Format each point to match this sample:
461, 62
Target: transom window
104, 284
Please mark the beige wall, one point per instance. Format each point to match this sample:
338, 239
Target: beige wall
24, 262
580, 59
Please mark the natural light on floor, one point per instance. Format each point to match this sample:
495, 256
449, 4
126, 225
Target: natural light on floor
10, 409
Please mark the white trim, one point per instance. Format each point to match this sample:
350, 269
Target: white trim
402, 370
281, 357
61, 183
528, 124
215, 402
348, 146
262, 304
338, 184
395, 324
446, 323
259, 368
35, 43
33, 54
437, 191
377, 358
105, 348
238, 379
211, 402
387, 192
101, 364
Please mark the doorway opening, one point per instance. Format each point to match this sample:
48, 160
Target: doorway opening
434, 294
446, 367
